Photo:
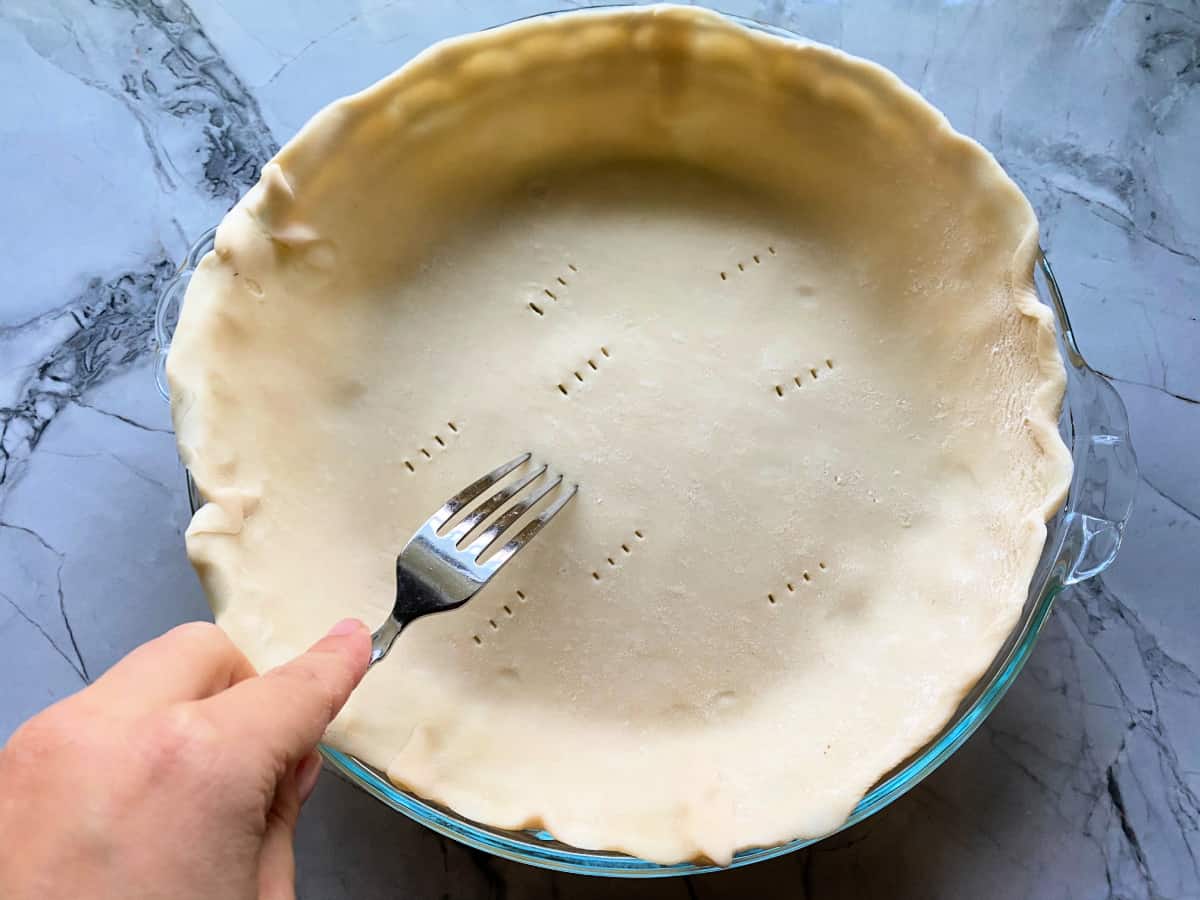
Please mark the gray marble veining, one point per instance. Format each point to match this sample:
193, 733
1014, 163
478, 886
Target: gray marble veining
126, 128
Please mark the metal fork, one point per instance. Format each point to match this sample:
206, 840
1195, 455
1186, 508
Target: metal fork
434, 574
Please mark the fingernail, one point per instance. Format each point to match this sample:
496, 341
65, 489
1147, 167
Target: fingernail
346, 626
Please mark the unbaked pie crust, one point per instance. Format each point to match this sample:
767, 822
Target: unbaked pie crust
763, 303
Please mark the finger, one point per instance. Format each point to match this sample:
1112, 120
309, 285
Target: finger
277, 861
307, 773
286, 710
189, 662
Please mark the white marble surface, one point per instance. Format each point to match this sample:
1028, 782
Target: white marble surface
128, 127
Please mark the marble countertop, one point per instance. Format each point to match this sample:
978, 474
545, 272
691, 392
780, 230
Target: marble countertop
127, 128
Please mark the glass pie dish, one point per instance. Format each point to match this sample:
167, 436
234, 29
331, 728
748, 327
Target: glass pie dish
1082, 540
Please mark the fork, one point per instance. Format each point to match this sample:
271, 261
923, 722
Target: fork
434, 573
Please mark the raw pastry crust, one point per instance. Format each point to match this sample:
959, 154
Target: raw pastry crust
757, 297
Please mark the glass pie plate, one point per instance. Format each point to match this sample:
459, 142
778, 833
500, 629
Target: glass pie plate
1082, 540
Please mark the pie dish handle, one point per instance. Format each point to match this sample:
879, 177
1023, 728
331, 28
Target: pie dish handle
170, 301
1105, 476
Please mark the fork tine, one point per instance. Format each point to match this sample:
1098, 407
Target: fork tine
525, 535
490, 505
473, 490
511, 515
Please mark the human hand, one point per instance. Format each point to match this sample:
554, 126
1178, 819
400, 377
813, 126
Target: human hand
179, 774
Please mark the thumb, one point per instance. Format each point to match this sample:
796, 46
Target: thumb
286, 710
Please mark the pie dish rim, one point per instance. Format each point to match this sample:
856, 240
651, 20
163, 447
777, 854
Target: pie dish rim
1081, 541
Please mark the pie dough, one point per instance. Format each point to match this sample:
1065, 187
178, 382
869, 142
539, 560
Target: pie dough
757, 297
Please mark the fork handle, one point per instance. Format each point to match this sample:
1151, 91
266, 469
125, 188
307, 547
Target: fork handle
383, 638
